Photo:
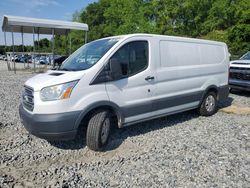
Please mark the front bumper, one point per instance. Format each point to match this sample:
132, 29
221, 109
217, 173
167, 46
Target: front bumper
239, 84
50, 126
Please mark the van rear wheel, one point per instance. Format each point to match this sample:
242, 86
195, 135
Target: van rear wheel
98, 130
209, 105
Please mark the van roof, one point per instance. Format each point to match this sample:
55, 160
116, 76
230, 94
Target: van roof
167, 37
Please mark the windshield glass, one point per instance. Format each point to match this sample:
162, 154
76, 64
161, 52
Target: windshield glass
88, 55
246, 56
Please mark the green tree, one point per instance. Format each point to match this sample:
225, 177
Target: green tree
221, 20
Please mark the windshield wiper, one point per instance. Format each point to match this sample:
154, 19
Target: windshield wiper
64, 69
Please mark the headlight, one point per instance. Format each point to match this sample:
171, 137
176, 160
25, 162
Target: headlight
57, 92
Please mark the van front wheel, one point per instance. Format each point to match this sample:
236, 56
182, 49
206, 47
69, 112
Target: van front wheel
209, 105
98, 130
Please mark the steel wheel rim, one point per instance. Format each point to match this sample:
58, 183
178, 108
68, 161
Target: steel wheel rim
210, 103
105, 131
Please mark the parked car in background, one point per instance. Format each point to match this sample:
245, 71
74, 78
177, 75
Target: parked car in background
36, 59
3, 57
15, 58
24, 58
59, 60
18, 59
239, 73
43, 60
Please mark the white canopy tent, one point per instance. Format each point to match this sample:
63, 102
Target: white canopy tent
40, 26
43, 26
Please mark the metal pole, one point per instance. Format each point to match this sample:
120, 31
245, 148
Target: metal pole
67, 42
34, 49
70, 43
86, 37
13, 47
53, 46
23, 45
5, 48
38, 39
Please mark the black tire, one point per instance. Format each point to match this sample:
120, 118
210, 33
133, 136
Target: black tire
208, 108
231, 90
98, 130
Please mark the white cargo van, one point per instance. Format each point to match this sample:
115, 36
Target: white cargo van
124, 80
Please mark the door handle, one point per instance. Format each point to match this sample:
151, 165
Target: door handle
150, 78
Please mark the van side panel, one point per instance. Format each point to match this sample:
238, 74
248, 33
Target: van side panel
179, 54
187, 68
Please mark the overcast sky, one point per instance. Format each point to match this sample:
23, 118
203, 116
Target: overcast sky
48, 9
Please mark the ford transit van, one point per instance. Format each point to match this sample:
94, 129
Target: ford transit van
124, 80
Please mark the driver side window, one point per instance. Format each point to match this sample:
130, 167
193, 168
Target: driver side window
129, 60
122, 57
132, 57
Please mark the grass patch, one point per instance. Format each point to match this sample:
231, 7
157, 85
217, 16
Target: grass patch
236, 110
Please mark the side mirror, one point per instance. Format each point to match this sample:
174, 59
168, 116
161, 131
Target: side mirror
115, 69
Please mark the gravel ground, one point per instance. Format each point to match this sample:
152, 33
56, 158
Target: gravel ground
182, 150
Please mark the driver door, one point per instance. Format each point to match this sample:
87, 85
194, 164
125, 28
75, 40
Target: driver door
133, 92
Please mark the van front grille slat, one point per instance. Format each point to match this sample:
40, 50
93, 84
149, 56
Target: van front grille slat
28, 98
240, 68
239, 74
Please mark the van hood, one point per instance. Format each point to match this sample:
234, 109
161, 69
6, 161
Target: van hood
51, 78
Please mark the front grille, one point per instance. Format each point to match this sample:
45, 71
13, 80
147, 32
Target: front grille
28, 98
239, 74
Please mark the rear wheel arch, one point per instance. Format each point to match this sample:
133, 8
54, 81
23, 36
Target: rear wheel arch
212, 88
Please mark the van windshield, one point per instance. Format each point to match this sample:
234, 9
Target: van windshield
88, 55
